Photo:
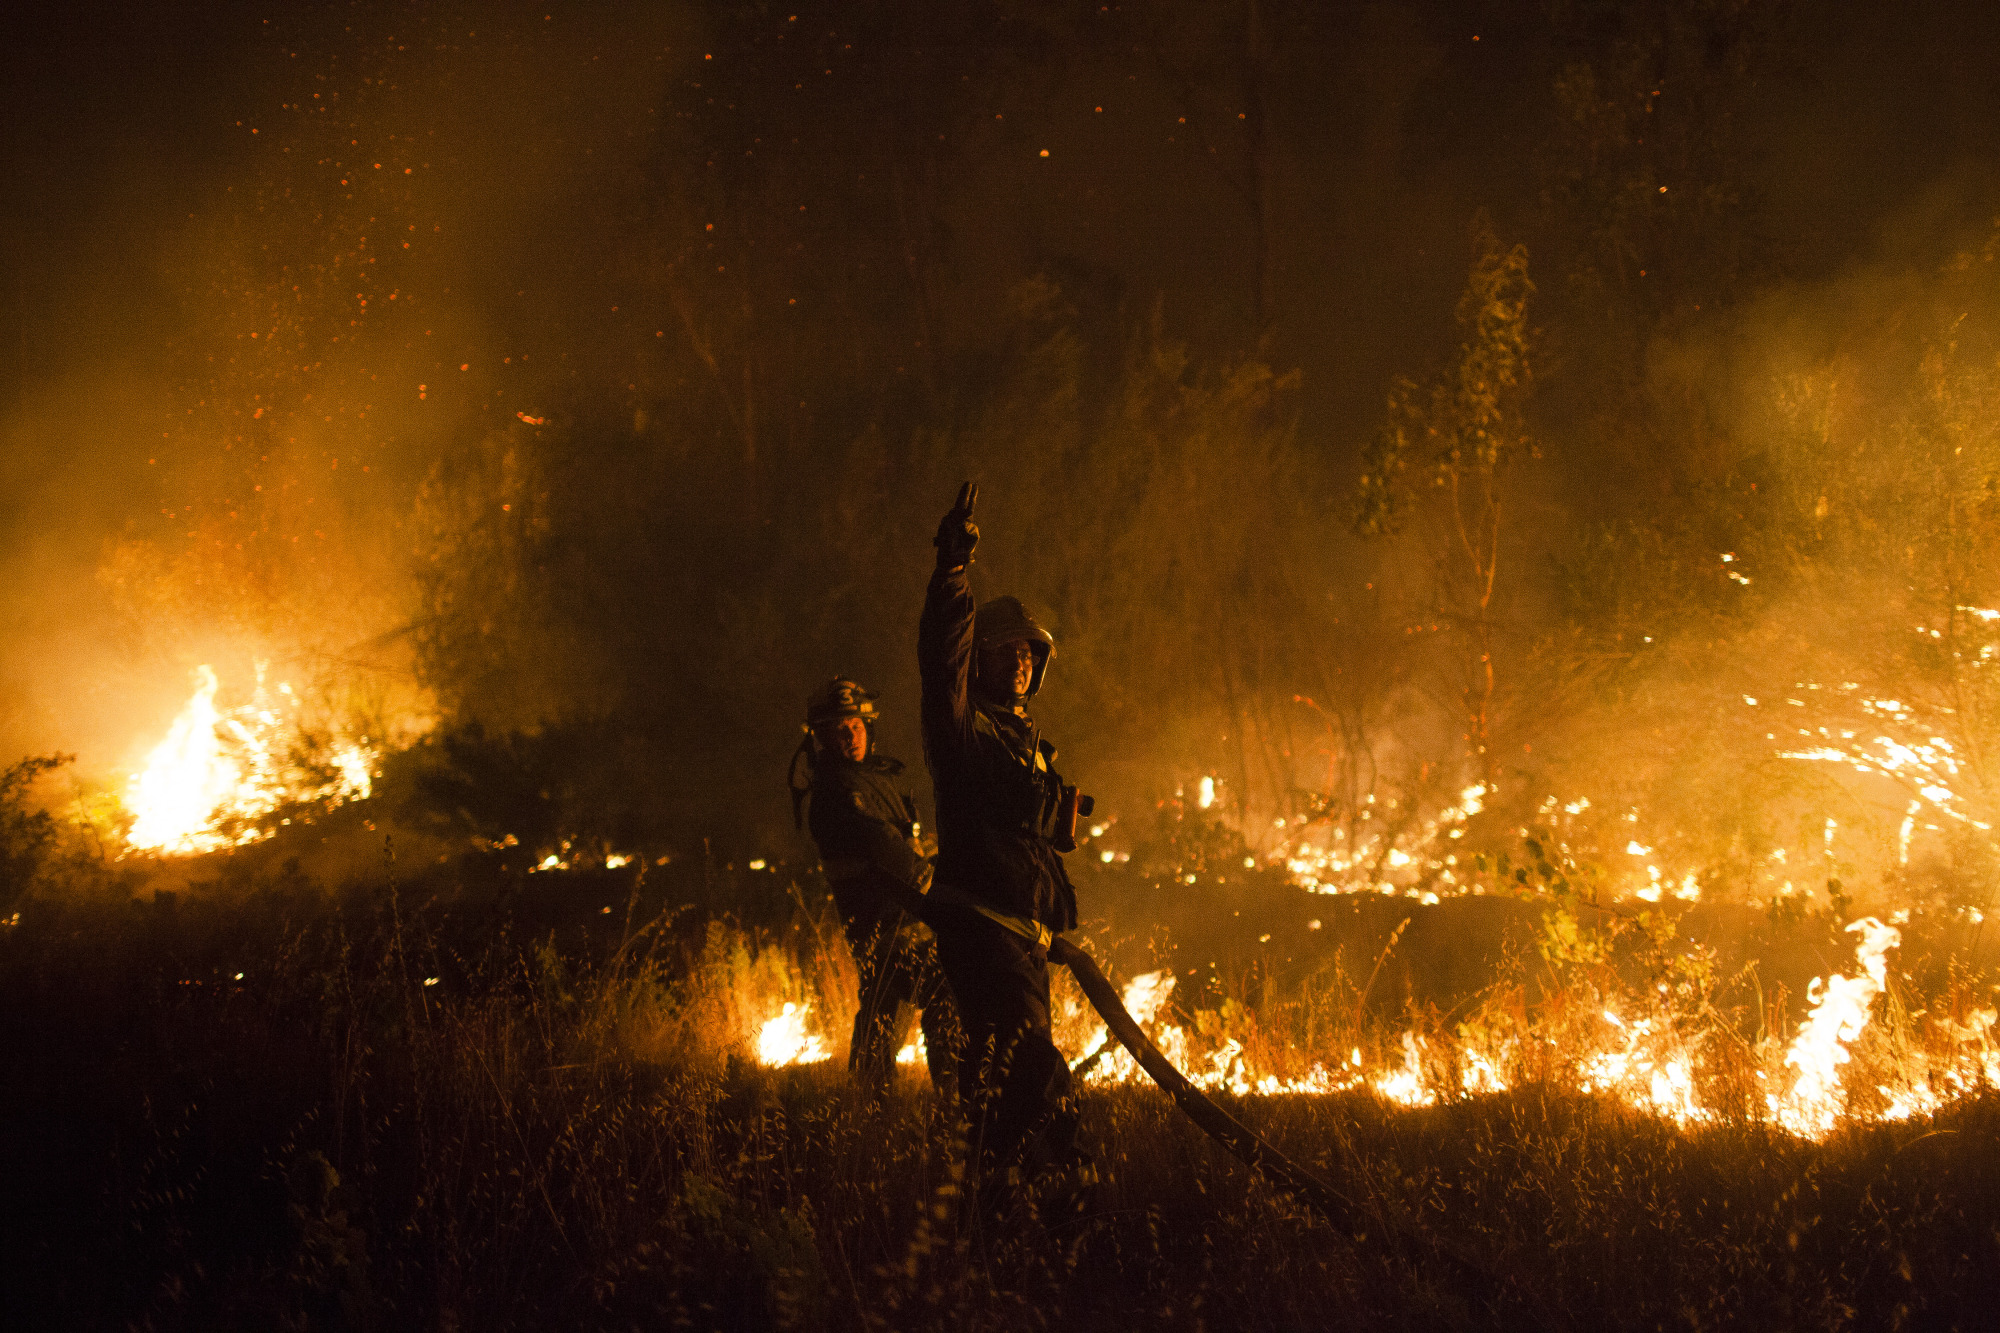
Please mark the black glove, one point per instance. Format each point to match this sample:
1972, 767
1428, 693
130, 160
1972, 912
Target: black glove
957, 534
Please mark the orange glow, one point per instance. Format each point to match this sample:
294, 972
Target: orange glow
1636, 1048
786, 1039
219, 771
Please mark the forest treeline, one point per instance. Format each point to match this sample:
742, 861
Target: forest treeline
1647, 461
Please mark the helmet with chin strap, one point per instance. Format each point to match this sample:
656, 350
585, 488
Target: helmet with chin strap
1005, 620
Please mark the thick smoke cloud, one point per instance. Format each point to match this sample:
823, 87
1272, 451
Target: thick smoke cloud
598, 375
257, 259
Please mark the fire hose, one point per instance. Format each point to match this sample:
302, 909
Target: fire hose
1244, 1143
1250, 1148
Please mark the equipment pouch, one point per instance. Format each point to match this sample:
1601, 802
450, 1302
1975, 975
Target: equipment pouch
1071, 805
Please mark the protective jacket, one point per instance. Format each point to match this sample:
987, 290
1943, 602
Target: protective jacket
863, 820
998, 801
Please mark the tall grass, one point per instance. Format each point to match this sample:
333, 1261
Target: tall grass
445, 1107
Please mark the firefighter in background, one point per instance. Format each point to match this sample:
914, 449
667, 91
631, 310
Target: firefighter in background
1004, 818
865, 825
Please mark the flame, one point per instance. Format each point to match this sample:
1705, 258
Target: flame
1144, 996
1405, 1084
1636, 1050
187, 777
1645, 1071
1840, 1013
785, 1039
1146, 993
218, 771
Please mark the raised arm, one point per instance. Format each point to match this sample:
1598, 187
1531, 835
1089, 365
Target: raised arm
944, 635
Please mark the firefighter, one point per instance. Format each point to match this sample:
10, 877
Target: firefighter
865, 825
1004, 818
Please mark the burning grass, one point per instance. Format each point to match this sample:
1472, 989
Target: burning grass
474, 1097
557, 1085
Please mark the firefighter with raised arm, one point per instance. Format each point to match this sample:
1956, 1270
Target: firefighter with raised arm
1004, 819
865, 825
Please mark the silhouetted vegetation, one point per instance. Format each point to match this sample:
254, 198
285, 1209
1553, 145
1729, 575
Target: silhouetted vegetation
1532, 473
464, 1095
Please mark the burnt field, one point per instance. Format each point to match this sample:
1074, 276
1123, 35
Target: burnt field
467, 1096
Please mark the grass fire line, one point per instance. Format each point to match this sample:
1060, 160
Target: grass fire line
1803, 1090
224, 777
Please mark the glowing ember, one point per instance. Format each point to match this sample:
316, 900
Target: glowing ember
785, 1040
1375, 862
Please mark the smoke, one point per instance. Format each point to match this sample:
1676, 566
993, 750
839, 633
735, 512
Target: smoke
1793, 605
600, 375
279, 271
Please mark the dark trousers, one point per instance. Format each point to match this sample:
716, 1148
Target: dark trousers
1016, 1081
898, 964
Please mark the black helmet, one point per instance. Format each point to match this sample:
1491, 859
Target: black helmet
836, 699
840, 698
1005, 620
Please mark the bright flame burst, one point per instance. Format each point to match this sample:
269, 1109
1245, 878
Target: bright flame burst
1840, 1012
219, 772
787, 1040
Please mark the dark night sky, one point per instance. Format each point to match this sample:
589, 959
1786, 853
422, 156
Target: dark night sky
1870, 138
1393, 125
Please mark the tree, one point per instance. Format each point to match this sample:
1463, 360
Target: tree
1446, 451
26, 834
